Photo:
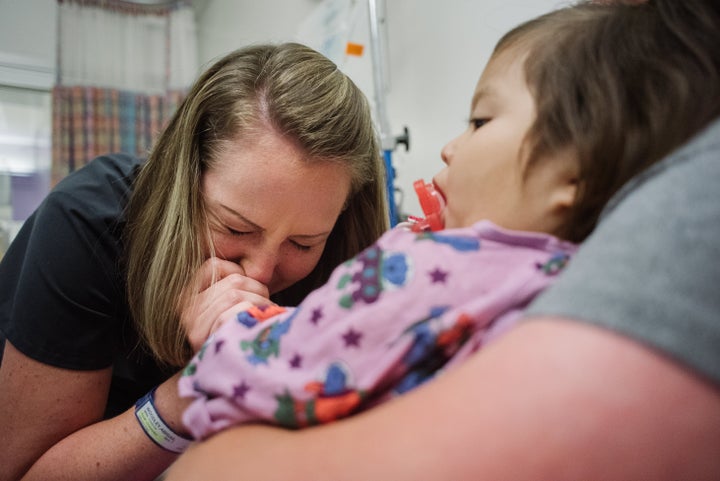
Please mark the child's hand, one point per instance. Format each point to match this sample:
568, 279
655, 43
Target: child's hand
230, 314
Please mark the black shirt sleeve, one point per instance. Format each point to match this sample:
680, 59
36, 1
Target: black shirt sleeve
62, 294
63, 299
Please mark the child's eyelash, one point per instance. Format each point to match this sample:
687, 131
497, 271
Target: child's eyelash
477, 122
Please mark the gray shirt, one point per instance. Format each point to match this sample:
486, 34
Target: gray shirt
651, 269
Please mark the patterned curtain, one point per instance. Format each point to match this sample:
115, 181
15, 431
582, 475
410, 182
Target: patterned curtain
116, 93
90, 121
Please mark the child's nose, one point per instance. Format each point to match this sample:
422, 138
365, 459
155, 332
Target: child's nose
447, 152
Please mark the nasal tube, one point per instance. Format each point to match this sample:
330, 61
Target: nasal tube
432, 204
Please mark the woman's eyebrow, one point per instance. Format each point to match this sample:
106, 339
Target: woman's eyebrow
237, 214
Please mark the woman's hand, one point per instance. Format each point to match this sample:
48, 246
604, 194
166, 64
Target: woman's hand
206, 305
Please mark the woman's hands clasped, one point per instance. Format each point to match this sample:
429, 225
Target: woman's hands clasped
218, 291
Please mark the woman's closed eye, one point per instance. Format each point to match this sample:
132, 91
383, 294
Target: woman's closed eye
301, 247
297, 245
238, 233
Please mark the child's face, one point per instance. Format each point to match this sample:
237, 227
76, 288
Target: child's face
483, 179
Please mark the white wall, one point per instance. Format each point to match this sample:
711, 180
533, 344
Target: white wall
436, 51
224, 25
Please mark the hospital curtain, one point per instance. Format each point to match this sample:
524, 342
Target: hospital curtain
122, 71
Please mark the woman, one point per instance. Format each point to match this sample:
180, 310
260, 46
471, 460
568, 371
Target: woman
265, 179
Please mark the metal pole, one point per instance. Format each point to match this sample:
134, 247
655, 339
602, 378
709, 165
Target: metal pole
376, 50
387, 140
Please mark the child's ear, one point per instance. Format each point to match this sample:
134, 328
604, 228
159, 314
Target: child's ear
564, 172
565, 192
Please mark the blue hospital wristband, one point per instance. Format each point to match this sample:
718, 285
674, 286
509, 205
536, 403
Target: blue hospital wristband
156, 428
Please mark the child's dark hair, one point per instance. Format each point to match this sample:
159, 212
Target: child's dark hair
622, 85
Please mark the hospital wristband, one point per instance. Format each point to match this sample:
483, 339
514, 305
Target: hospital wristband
156, 428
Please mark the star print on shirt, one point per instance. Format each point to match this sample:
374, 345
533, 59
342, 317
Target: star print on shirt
240, 390
438, 276
219, 345
296, 361
316, 315
352, 338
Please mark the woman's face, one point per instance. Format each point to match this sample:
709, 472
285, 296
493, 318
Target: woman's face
270, 210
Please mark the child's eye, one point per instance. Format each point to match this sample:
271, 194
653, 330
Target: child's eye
476, 123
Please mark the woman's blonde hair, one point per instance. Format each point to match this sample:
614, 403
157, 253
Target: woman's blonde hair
289, 88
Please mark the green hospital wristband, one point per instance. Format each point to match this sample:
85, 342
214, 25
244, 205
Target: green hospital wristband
156, 428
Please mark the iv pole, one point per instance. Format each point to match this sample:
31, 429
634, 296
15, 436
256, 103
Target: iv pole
388, 142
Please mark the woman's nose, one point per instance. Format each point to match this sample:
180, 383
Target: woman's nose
260, 265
